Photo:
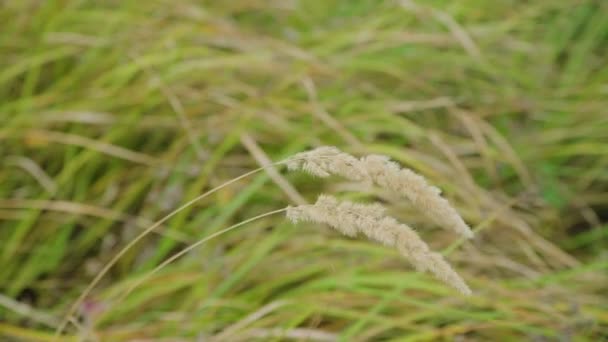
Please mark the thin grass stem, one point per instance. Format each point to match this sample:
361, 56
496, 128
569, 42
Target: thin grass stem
132, 243
190, 248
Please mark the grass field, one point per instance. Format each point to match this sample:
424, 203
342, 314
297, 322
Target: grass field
114, 113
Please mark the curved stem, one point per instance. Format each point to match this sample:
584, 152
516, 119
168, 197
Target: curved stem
191, 247
132, 243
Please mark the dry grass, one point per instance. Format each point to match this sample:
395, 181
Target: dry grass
370, 220
378, 169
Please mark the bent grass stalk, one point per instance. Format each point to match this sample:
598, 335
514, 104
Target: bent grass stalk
132, 243
323, 162
191, 247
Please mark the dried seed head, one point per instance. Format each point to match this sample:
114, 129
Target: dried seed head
325, 161
370, 220
424, 197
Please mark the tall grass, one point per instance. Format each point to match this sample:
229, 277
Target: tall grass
113, 114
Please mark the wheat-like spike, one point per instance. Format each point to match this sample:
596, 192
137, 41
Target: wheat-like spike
352, 218
424, 197
325, 161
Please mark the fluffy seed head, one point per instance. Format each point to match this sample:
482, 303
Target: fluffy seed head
424, 197
325, 161
370, 220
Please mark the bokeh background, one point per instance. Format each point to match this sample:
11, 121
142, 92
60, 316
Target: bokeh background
114, 113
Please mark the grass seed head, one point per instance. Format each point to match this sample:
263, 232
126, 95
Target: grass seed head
352, 219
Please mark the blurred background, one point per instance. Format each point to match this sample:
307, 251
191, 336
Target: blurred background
114, 113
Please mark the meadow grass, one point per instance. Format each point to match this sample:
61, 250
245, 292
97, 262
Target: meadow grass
114, 113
